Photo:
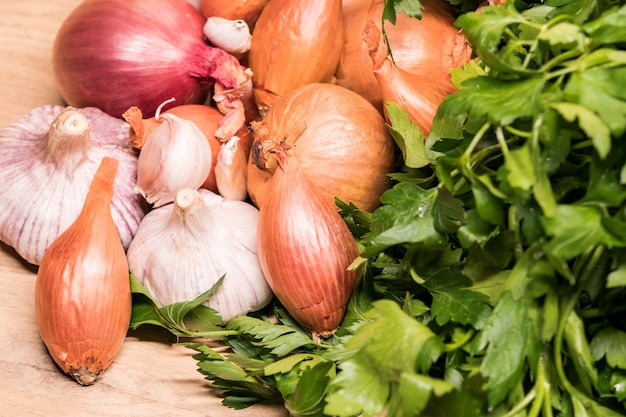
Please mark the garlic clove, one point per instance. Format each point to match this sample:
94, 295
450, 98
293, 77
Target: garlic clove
233, 36
176, 155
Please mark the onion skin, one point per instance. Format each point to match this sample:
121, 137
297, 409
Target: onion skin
430, 47
114, 54
340, 140
82, 293
418, 95
294, 42
305, 249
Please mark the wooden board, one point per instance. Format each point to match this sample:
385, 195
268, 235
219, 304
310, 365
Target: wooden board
150, 377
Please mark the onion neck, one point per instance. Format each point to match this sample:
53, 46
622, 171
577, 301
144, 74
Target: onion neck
67, 141
267, 153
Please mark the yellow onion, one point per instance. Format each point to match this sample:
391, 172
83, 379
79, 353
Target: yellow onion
82, 292
418, 95
305, 249
430, 47
247, 10
340, 140
294, 42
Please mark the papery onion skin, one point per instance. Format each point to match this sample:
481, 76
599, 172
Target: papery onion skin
342, 144
40, 201
114, 54
430, 47
82, 293
418, 95
294, 42
305, 249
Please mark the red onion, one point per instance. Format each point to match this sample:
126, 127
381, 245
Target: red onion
114, 54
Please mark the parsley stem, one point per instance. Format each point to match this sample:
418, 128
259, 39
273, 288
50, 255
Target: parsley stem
450, 347
518, 132
213, 334
466, 158
520, 406
567, 309
545, 68
502, 142
518, 248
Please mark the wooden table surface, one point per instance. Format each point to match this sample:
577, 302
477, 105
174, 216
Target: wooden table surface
150, 377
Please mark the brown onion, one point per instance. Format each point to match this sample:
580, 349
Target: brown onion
430, 47
305, 249
82, 292
114, 54
340, 140
294, 42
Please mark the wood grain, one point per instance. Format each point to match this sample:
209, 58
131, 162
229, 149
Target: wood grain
151, 376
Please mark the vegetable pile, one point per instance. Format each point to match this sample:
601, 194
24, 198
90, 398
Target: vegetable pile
467, 256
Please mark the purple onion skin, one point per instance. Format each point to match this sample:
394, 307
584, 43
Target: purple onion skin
114, 54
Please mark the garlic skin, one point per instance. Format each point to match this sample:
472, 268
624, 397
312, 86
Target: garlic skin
182, 249
47, 160
231, 170
176, 155
233, 36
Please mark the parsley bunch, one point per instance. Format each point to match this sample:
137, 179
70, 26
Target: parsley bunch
493, 276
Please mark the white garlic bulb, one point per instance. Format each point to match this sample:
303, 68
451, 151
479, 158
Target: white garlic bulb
182, 249
176, 155
48, 159
233, 36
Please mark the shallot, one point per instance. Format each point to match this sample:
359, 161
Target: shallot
82, 292
305, 248
294, 42
339, 138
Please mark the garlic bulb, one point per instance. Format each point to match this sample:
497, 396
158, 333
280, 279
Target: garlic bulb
47, 160
233, 36
182, 249
176, 155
